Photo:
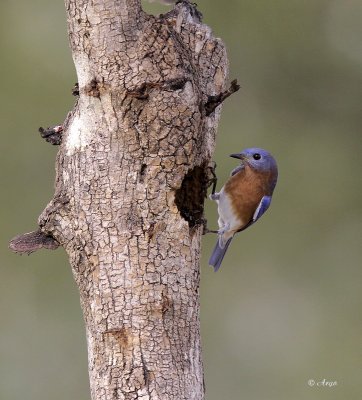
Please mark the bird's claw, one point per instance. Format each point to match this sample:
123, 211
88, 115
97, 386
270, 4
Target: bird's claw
212, 178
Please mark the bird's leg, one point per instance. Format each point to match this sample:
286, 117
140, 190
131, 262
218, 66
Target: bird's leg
205, 228
212, 180
213, 196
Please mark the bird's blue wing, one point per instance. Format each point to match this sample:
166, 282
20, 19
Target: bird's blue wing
262, 207
260, 210
237, 169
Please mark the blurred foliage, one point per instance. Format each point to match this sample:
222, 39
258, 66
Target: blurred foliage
285, 306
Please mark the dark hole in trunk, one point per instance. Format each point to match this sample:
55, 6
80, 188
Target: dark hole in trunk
191, 195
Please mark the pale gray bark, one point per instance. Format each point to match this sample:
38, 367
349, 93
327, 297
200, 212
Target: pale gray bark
130, 186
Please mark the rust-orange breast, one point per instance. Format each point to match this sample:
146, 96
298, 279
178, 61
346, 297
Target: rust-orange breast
245, 190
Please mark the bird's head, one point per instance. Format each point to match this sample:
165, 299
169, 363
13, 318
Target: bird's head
258, 159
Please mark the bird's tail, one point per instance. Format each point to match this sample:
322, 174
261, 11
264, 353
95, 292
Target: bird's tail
218, 254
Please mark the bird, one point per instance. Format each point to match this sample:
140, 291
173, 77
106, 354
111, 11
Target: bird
244, 198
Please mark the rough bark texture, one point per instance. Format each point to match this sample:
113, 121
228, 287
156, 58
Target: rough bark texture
130, 186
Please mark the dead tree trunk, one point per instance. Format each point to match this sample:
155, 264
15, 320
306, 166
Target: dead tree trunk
131, 178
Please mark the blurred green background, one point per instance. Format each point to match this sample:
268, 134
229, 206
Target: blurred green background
285, 307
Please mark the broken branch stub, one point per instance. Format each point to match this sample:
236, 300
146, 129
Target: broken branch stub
27, 243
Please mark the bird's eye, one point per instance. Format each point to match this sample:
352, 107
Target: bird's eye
256, 156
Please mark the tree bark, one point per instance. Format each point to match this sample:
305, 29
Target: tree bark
131, 178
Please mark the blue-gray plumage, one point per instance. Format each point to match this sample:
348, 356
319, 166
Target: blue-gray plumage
244, 198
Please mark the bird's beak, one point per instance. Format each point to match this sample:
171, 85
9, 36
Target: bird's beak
239, 156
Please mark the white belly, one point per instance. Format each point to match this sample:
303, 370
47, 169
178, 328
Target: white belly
227, 218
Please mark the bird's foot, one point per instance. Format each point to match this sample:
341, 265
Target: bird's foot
211, 176
214, 196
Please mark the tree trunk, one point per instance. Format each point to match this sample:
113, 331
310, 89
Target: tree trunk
131, 178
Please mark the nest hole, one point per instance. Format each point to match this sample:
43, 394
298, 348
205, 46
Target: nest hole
190, 196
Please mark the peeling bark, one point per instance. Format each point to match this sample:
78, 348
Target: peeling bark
131, 177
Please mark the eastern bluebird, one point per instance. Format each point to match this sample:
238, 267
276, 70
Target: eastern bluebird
244, 198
